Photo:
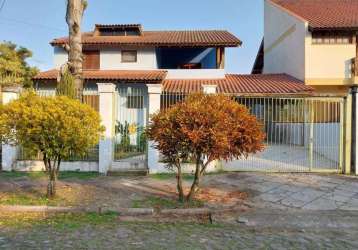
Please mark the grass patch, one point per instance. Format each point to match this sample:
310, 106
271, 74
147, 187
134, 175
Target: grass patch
74, 221
78, 175
62, 176
165, 203
13, 175
168, 176
68, 221
29, 199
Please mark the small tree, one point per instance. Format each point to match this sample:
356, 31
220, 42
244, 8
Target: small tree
205, 128
55, 126
14, 70
66, 85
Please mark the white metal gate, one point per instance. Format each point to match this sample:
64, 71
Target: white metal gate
303, 134
130, 143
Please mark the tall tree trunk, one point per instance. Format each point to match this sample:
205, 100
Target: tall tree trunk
75, 10
180, 184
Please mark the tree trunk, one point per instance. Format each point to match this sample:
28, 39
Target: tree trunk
75, 9
195, 186
51, 187
180, 184
52, 171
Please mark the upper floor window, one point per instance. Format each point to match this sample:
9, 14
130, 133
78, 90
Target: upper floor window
129, 56
91, 60
331, 38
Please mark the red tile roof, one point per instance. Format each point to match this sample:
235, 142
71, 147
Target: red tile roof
162, 39
324, 14
125, 75
231, 84
243, 84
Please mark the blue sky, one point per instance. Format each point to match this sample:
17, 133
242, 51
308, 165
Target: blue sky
34, 23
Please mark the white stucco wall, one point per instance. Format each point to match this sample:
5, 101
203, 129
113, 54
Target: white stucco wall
28, 166
60, 57
111, 59
284, 42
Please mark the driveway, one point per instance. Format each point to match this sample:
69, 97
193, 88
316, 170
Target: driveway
293, 191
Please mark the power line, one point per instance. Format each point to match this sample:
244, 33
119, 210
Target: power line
30, 24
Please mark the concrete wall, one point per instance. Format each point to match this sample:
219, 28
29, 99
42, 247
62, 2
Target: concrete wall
60, 57
284, 42
28, 166
111, 59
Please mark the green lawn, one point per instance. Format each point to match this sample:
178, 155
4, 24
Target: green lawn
62, 175
28, 199
65, 221
167, 176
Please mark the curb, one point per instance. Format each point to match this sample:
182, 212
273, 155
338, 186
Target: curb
121, 211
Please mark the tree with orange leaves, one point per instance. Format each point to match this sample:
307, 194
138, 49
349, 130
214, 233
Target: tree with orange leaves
204, 128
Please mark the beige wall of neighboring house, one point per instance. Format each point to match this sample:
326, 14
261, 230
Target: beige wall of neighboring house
329, 64
284, 42
289, 49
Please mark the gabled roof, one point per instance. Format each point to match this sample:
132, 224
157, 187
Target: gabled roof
324, 14
193, 38
243, 84
108, 75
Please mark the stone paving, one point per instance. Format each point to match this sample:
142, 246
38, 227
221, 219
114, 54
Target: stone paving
175, 236
294, 191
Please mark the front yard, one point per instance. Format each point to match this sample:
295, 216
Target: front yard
288, 211
91, 191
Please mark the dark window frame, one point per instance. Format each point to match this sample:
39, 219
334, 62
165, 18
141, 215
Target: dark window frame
129, 51
332, 38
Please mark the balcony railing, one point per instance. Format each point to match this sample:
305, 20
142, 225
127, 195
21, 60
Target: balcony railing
354, 68
196, 74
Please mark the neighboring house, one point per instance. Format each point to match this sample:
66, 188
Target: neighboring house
312, 40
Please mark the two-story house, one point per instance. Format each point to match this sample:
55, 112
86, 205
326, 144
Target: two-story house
312, 40
127, 72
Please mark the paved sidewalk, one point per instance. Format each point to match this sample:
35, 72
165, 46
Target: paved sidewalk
294, 191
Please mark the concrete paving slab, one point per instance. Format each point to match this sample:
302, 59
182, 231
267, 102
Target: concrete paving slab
323, 204
292, 203
335, 197
308, 195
